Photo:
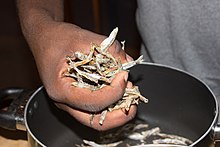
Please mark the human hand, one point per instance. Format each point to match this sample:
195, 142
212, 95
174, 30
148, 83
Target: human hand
50, 46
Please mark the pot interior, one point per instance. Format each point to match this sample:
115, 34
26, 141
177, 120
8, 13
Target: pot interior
178, 103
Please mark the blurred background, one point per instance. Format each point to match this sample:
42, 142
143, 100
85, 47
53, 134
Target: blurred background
102, 16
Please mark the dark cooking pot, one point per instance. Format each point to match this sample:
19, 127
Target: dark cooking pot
179, 104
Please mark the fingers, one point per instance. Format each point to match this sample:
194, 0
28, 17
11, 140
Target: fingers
129, 84
113, 119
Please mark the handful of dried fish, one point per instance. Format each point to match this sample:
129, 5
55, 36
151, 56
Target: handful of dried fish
98, 68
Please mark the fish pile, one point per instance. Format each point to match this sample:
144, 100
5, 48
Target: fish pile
98, 68
137, 135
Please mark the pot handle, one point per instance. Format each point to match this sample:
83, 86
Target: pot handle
12, 114
216, 131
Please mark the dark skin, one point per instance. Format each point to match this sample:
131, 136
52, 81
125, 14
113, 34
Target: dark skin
51, 40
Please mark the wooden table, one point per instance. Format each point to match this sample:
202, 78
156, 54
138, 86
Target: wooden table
13, 138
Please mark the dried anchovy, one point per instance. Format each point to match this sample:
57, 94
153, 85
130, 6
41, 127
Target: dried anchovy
144, 134
98, 68
140, 126
169, 141
183, 139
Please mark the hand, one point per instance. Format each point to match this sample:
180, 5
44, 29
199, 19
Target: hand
50, 46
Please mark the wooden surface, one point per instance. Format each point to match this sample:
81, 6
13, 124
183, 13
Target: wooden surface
13, 138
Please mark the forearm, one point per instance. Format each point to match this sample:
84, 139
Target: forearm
36, 15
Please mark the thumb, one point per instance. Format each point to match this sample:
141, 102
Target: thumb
116, 90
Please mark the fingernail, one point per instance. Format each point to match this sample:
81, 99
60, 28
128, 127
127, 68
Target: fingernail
126, 77
124, 111
129, 58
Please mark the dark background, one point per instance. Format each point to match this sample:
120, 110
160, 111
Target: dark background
102, 16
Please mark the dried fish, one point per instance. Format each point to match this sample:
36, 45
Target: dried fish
169, 141
144, 134
183, 139
137, 136
130, 64
109, 41
123, 44
80, 55
93, 144
140, 126
102, 117
150, 132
